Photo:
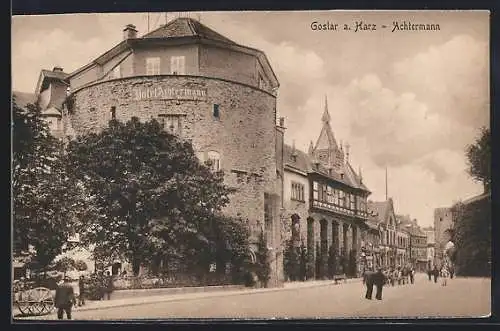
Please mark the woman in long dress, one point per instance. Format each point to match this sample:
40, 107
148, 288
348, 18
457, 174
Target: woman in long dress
444, 275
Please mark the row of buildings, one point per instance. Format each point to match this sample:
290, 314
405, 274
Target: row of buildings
221, 96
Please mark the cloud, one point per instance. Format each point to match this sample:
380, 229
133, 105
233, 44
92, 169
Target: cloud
453, 78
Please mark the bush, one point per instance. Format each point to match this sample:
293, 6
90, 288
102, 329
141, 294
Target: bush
262, 267
81, 265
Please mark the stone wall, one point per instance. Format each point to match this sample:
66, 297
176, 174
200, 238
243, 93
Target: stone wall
244, 134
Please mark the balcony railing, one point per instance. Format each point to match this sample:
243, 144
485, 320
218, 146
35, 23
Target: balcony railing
338, 209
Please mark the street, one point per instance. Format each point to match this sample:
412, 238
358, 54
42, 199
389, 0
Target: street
463, 297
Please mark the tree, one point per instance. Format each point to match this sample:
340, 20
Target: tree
263, 269
479, 158
156, 200
45, 196
472, 234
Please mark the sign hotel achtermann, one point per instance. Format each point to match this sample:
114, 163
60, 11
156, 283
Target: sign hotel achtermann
169, 93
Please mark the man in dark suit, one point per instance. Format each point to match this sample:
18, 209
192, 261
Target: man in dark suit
65, 299
368, 280
379, 280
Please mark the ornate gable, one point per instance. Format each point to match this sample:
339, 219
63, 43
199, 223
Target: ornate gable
326, 150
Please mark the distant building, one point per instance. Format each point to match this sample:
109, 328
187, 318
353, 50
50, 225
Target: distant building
382, 214
418, 242
443, 224
325, 200
431, 243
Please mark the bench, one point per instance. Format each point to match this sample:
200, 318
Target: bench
337, 278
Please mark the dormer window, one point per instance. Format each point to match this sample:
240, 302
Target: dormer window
178, 65
152, 66
214, 161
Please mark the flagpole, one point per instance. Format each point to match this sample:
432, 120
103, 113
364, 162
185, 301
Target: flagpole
386, 193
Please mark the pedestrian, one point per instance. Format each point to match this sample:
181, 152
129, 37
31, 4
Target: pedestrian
412, 275
108, 285
379, 280
65, 299
452, 271
444, 275
368, 280
435, 273
81, 287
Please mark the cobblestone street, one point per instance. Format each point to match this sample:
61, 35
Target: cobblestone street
463, 297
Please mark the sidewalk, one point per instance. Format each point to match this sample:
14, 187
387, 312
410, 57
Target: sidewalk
203, 293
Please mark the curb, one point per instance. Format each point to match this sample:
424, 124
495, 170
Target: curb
206, 295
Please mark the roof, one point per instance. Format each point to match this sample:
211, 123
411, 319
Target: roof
372, 225
23, 98
378, 209
187, 27
180, 29
50, 75
51, 111
303, 162
476, 198
300, 162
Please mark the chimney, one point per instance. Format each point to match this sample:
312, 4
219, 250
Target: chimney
57, 69
129, 32
282, 122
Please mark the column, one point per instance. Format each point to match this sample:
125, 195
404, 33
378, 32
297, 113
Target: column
329, 234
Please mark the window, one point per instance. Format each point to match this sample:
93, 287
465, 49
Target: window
177, 65
113, 113
216, 111
214, 161
153, 66
297, 191
315, 191
341, 198
262, 83
329, 198
353, 202
171, 123
115, 73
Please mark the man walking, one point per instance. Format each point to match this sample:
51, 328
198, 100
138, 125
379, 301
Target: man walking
412, 274
108, 285
81, 287
368, 280
379, 281
435, 273
65, 299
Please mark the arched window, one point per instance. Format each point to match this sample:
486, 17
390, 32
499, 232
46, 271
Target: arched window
214, 160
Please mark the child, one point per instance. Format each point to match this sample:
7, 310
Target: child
444, 276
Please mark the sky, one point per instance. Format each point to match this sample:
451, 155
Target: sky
408, 101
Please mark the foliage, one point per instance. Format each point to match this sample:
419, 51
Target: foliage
479, 158
319, 259
291, 260
352, 263
303, 262
262, 267
472, 228
311, 265
65, 264
80, 265
332, 261
46, 198
154, 196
